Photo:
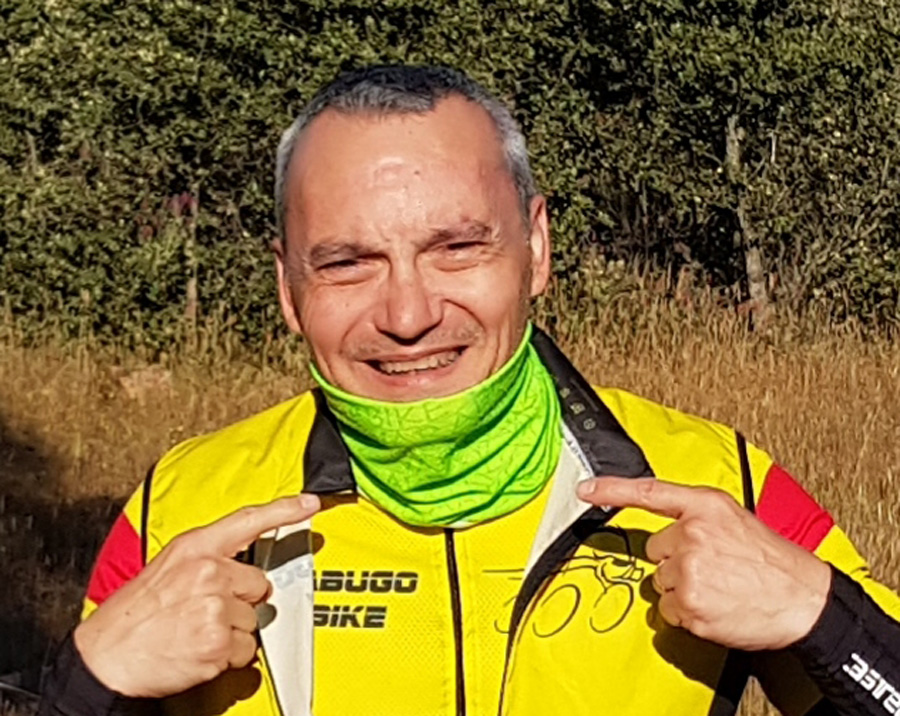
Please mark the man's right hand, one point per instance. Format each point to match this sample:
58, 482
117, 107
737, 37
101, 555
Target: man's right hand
189, 615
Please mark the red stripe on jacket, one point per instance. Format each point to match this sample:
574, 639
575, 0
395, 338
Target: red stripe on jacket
119, 560
789, 510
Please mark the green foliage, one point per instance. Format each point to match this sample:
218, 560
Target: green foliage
137, 141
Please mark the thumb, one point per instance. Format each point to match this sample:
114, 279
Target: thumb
229, 535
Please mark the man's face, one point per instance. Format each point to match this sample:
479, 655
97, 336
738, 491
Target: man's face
406, 261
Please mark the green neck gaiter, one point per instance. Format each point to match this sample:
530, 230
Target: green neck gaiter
459, 460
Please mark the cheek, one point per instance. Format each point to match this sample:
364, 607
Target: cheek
492, 294
328, 314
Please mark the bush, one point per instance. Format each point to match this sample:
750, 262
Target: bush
137, 141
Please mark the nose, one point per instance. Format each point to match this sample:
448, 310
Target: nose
408, 309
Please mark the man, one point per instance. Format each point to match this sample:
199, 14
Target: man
455, 554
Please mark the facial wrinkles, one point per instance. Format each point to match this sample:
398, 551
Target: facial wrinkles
384, 217
406, 276
403, 246
411, 257
386, 197
397, 196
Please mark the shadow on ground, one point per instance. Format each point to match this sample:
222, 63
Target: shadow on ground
47, 547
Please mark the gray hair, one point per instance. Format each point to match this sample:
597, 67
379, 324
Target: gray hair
405, 89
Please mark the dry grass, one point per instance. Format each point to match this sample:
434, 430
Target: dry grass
78, 430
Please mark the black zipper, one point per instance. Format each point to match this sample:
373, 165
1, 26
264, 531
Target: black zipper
456, 608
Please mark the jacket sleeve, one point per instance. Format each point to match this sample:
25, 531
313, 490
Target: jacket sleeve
853, 652
123, 554
860, 620
70, 689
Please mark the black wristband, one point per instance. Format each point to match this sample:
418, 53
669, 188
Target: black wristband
70, 689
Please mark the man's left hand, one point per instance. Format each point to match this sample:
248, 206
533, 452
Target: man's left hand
721, 573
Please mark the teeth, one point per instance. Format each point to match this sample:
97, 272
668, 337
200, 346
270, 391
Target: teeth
438, 360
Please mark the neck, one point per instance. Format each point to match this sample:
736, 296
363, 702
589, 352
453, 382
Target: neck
460, 459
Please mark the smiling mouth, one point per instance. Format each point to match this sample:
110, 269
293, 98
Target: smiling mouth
417, 365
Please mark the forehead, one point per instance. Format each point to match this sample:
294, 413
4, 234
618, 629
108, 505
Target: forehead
355, 172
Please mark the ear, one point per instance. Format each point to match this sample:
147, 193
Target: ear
539, 242
285, 296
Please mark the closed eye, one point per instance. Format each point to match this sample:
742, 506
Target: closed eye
463, 245
342, 264
469, 248
350, 270
460, 253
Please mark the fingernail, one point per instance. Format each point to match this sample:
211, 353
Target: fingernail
586, 488
309, 502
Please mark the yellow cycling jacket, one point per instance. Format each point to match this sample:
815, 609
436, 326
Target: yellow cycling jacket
546, 610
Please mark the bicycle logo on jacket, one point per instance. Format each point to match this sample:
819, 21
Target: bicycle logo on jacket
597, 587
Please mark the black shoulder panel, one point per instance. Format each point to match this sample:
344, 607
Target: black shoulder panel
326, 461
601, 438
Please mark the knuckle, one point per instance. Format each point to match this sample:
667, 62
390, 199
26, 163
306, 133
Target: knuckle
698, 627
222, 664
206, 570
214, 608
248, 516
720, 501
691, 569
690, 599
694, 530
180, 546
646, 491
209, 670
215, 642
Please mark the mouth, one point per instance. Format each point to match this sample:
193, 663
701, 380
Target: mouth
399, 366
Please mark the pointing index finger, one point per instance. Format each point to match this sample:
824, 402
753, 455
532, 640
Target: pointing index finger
229, 535
647, 493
